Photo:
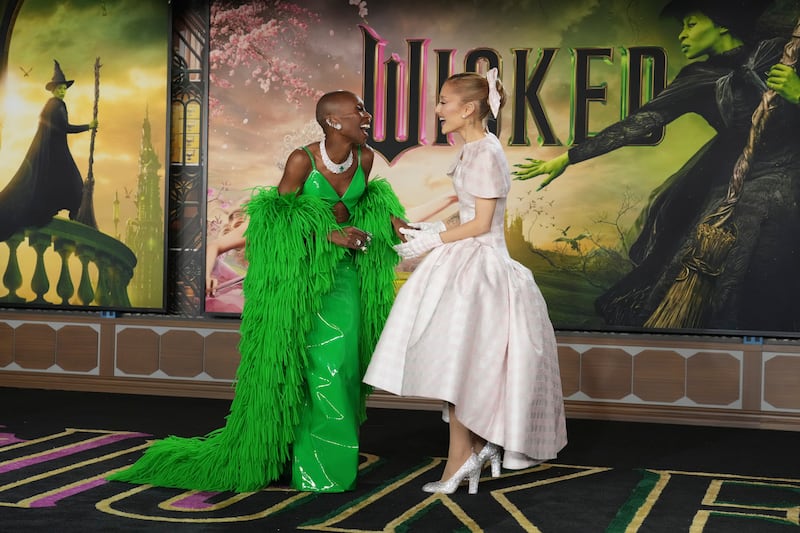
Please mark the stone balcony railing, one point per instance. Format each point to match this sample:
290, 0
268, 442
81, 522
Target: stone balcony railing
112, 261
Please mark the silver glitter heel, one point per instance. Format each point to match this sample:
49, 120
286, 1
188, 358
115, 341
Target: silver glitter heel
490, 452
470, 469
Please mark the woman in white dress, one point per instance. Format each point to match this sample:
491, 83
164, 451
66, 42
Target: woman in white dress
470, 326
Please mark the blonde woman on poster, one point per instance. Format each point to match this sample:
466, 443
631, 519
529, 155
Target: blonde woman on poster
470, 326
319, 285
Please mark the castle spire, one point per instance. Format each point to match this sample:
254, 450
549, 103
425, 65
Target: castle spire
145, 232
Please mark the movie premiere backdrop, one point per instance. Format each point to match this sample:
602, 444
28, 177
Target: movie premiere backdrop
570, 69
109, 254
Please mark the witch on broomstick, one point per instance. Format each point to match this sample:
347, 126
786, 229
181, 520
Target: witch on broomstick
711, 255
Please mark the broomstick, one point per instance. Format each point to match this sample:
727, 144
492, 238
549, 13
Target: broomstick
684, 305
86, 210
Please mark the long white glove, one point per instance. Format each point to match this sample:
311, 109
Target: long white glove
429, 227
417, 243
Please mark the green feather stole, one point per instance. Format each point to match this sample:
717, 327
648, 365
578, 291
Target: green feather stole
291, 265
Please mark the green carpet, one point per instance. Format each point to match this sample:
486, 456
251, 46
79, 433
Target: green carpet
57, 447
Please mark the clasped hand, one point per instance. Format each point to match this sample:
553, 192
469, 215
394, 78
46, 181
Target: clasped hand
784, 80
429, 227
536, 167
351, 237
417, 242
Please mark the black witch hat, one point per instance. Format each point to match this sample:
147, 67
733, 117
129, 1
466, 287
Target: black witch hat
58, 78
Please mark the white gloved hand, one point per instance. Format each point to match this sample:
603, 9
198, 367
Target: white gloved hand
429, 227
418, 242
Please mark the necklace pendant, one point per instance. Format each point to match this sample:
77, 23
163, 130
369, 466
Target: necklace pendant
336, 168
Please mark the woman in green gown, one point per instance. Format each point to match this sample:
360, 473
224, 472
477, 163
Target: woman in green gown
319, 286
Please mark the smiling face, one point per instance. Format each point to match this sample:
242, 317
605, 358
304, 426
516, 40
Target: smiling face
700, 36
354, 118
342, 113
451, 109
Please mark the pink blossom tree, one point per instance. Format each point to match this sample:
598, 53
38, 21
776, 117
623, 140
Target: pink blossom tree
259, 42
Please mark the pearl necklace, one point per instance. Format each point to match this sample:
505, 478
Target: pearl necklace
336, 168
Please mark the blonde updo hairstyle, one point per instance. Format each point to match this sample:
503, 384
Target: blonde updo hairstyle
473, 87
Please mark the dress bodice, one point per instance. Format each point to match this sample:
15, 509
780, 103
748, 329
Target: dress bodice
481, 171
317, 185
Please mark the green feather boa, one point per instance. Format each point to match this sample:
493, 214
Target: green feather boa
291, 265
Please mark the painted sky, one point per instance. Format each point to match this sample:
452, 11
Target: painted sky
131, 37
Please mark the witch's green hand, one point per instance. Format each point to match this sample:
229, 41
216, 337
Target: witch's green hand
536, 167
528, 170
784, 80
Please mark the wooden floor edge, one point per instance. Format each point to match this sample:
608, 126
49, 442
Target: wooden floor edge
693, 416
682, 415
116, 385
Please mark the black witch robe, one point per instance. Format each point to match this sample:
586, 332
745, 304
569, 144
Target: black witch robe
47, 180
759, 288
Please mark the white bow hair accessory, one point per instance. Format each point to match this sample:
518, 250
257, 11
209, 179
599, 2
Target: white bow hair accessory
494, 96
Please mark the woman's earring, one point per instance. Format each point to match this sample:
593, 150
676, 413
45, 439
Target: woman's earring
337, 126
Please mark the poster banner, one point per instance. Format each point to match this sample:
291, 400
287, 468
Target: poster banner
82, 209
651, 117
